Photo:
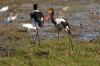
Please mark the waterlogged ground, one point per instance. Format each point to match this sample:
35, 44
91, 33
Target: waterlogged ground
88, 16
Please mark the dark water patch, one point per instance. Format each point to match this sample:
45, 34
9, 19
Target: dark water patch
88, 36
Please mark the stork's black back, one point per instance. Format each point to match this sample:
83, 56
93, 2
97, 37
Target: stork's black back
65, 24
37, 16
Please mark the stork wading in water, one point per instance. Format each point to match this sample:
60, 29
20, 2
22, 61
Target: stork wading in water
38, 19
59, 23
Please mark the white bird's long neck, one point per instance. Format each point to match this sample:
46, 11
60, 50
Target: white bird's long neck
14, 17
11, 14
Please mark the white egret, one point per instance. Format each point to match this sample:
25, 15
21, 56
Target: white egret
65, 8
28, 26
4, 9
10, 18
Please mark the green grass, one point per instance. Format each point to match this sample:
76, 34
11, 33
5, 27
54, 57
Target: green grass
83, 54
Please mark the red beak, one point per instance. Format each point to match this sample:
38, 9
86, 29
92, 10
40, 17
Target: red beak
47, 18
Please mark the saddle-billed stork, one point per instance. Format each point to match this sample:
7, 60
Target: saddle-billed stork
38, 19
59, 23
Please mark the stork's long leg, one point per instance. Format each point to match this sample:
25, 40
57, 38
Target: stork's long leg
58, 37
70, 41
35, 39
37, 35
67, 29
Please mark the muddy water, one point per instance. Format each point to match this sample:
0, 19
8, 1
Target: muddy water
89, 30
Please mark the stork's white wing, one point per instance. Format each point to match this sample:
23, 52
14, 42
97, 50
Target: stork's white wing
59, 20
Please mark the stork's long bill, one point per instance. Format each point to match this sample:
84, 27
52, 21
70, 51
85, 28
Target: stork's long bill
47, 18
50, 14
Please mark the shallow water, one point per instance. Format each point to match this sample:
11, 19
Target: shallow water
77, 18
89, 36
86, 36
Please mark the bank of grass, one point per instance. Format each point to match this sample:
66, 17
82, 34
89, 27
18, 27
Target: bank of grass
50, 53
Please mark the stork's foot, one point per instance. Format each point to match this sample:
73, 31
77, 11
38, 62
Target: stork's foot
33, 43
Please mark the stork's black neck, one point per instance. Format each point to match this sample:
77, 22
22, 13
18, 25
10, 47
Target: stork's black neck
52, 19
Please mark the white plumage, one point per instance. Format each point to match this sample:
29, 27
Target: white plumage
60, 23
11, 18
59, 20
67, 28
35, 10
4, 9
65, 8
28, 26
